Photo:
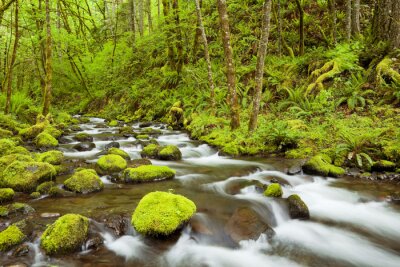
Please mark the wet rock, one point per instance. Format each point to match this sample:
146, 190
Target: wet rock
94, 242
170, 152
246, 224
294, 170
21, 251
100, 126
111, 145
84, 181
144, 124
110, 164
235, 186
75, 128
322, 165
117, 223
199, 227
138, 162
383, 166
83, 137
87, 146
64, 140
55, 191
120, 152
297, 208
147, 173
49, 215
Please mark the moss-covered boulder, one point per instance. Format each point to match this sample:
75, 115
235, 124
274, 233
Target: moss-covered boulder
10, 237
83, 137
5, 133
34, 195
54, 157
297, 208
126, 131
175, 116
5, 161
161, 213
33, 131
273, 190
45, 187
6, 194
170, 152
384, 166
109, 164
147, 173
143, 136
66, 234
25, 176
113, 123
84, 181
138, 162
45, 140
6, 145
322, 165
53, 131
150, 151
119, 152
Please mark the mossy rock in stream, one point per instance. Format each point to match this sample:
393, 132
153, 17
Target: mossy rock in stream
10, 237
45, 187
5, 161
66, 234
162, 214
45, 140
6, 145
6, 194
54, 157
25, 176
110, 164
119, 152
147, 173
322, 165
297, 208
150, 151
384, 166
143, 136
273, 190
53, 131
84, 181
83, 137
33, 131
170, 152
113, 123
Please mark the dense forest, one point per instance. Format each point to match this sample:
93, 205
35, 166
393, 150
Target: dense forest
314, 85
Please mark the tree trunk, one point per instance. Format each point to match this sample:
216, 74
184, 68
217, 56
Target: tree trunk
332, 10
49, 67
348, 19
141, 17
230, 65
386, 23
355, 20
149, 18
169, 33
132, 20
279, 28
206, 55
301, 27
11, 65
178, 36
262, 51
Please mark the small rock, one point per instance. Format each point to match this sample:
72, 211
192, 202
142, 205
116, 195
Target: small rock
145, 124
86, 146
49, 215
294, 170
21, 250
111, 145
94, 242
297, 208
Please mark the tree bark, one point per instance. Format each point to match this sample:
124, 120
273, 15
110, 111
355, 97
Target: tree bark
261, 54
386, 23
230, 65
348, 19
169, 33
178, 36
149, 18
132, 11
332, 10
279, 28
301, 27
206, 55
49, 67
355, 20
12, 62
141, 17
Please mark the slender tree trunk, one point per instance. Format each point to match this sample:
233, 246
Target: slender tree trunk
169, 33
230, 65
149, 18
301, 27
386, 23
197, 36
206, 55
49, 67
11, 66
332, 10
279, 28
348, 19
132, 20
261, 54
158, 9
178, 36
355, 20
141, 17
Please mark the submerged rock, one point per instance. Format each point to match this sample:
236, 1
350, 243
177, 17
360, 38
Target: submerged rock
148, 173
86, 146
246, 224
273, 190
110, 164
84, 181
138, 162
297, 208
161, 213
66, 234
10, 237
322, 165
45, 187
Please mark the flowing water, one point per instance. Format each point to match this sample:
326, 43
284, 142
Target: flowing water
351, 222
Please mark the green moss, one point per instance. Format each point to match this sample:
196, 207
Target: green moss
45, 187
45, 140
53, 157
119, 152
297, 208
4, 211
5, 133
6, 194
83, 137
20, 208
84, 181
142, 136
161, 214
231, 149
170, 152
273, 190
111, 164
384, 165
147, 173
33, 131
5, 161
25, 176
6, 145
113, 123
126, 130
150, 151
53, 131
321, 165
65, 235
10, 237
20, 150
34, 195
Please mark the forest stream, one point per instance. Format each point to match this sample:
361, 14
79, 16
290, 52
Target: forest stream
351, 221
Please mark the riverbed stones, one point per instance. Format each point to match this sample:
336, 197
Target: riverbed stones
110, 164
297, 208
138, 162
25, 176
84, 181
148, 173
150, 151
8, 159
162, 214
66, 234
322, 165
10, 237
85, 146
245, 224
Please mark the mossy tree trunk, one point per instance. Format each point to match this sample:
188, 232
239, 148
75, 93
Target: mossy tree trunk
230, 64
348, 19
12, 62
178, 36
206, 54
301, 27
49, 67
169, 33
355, 18
261, 54
386, 23
332, 10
